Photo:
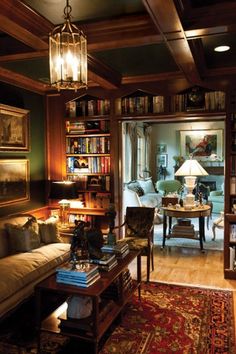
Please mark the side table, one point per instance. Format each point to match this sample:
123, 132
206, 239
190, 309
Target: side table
200, 212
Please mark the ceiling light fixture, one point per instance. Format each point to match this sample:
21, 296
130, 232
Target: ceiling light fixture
68, 55
222, 48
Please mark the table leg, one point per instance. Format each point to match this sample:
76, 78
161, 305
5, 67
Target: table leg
38, 318
139, 275
170, 225
201, 231
164, 230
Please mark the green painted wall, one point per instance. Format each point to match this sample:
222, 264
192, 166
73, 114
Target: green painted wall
35, 103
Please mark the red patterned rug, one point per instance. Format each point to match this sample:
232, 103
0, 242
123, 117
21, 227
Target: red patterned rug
175, 319
168, 319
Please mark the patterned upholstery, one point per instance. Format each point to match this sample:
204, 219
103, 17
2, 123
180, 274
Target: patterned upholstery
139, 232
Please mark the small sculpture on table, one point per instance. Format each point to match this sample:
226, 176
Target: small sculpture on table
95, 243
79, 243
200, 198
111, 214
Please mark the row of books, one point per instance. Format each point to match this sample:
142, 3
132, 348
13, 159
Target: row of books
88, 107
141, 105
212, 101
88, 164
85, 145
232, 236
87, 127
233, 185
84, 275
233, 120
114, 291
232, 258
233, 164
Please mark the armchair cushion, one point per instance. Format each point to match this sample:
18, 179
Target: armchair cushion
216, 193
169, 186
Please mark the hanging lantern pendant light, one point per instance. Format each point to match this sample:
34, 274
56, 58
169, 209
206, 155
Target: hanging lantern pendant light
68, 55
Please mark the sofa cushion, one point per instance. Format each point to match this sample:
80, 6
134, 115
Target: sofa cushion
49, 231
151, 200
23, 238
147, 185
135, 187
16, 219
18, 270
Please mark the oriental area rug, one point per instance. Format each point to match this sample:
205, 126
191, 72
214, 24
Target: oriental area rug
168, 319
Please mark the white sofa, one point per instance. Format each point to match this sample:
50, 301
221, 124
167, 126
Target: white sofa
145, 191
28, 254
142, 193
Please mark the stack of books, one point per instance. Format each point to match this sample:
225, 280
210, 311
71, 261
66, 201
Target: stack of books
120, 249
183, 228
114, 290
106, 263
83, 276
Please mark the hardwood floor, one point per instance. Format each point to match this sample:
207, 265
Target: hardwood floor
190, 267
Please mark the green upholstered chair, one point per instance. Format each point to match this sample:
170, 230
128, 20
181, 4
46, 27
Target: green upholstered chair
168, 186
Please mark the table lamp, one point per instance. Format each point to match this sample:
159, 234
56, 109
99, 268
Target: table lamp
63, 191
190, 169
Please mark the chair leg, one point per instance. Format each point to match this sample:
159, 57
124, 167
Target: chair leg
214, 232
148, 266
152, 259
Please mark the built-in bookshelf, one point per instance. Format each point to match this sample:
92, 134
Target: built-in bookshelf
230, 191
88, 161
140, 103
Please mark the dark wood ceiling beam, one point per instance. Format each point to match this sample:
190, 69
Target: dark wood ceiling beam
21, 34
23, 56
152, 78
21, 81
102, 74
173, 33
215, 15
24, 16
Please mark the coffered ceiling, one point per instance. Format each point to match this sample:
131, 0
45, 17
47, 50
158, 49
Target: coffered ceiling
166, 44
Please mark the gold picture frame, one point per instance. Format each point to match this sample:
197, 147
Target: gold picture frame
14, 181
14, 129
203, 145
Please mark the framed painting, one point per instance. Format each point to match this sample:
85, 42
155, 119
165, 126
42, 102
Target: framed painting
14, 181
14, 129
161, 148
203, 145
162, 160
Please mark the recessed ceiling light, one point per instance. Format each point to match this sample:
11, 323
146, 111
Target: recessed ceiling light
222, 48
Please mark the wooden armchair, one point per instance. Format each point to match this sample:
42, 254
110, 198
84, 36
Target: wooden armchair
139, 225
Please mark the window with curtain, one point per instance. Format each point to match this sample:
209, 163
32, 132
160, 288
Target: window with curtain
141, 151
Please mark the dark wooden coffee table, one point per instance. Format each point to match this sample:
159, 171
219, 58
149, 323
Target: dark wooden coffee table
97, 325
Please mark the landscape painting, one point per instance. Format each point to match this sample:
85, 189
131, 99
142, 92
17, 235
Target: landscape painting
14, 181
14, 128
